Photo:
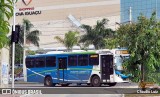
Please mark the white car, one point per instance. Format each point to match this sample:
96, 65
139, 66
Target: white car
20, 78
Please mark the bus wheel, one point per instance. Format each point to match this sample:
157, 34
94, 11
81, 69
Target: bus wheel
48, 81
112, 84
95, 81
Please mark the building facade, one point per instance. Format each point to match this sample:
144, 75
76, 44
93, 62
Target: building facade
56, 17
138, 7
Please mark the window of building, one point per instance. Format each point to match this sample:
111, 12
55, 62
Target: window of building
51, 61
40, 62
83, 60
94, 59
72, 60
30, 62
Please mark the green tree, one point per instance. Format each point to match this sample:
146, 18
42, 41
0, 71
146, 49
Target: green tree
70, 39
143, 42
111, 42
6, 12
18, 54
97, 34
29, 52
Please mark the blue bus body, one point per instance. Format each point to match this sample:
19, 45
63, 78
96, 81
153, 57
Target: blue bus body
93, 68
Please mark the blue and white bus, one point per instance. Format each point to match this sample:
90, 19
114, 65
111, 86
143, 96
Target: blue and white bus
88, 67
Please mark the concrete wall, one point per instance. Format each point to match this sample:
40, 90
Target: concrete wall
4, 65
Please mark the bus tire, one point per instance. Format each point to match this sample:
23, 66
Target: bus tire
95, 81
112, 84
48, 81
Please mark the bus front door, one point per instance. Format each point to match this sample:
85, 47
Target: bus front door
62, 69
106, 67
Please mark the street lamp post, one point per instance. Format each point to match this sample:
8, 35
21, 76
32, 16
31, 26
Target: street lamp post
24, 54
156, 10
13, 43
130, 15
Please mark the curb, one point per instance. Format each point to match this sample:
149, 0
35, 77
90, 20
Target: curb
26, 95
25, 83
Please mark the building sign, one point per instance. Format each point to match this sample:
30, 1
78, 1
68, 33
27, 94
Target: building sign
122, 52
28, 10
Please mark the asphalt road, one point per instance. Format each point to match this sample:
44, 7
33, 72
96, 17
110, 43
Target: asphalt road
79, 91
40, 85
120, 88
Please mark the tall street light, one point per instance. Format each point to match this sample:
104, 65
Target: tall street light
13, 43
24, 54
156, 10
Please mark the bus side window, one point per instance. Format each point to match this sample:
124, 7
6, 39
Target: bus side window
51, 61
94, 59
30, 62
83, 60
40, 62
72, 60
62, 63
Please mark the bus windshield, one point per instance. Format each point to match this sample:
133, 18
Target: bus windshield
119, 61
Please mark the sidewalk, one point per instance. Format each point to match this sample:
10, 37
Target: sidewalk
22, 82
9, 95
16, 95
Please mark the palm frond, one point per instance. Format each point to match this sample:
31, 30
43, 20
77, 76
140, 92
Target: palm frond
59, 39
96, 35
70, 39
28, 25
87, 28
33, 37
35, 33
33, 40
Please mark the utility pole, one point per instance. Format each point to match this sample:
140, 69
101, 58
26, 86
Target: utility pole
24, 54
130, 15
13, 43
156, 10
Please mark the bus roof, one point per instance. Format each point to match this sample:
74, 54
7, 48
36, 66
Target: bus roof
63, 53
86, 52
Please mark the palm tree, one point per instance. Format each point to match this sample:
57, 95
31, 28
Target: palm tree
70, 39
96, 35
32, 37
